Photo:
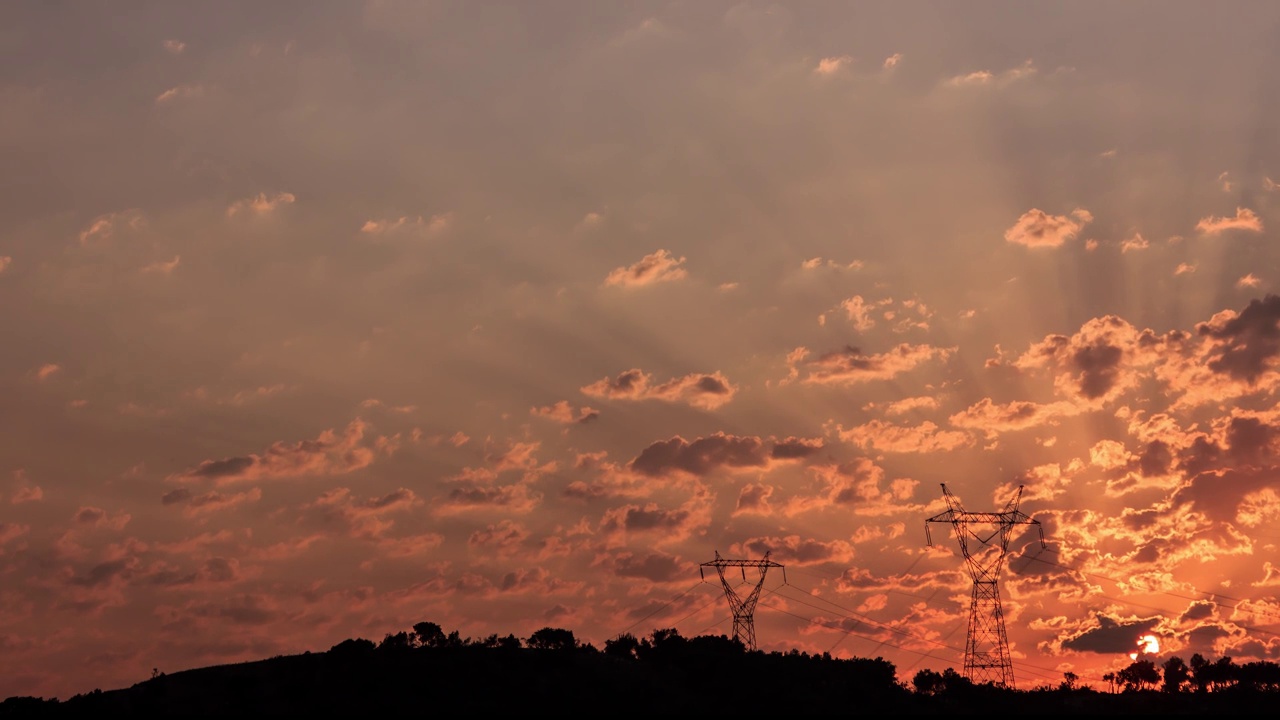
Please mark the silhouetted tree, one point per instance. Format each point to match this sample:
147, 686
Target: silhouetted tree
931, 682
1262, 675
1069, 681
508, 642
1110, 679
428, 634
397, 642
549, 638
1200, 672
1176, 674
1140, 675
1213, 676
928, 682
624, 646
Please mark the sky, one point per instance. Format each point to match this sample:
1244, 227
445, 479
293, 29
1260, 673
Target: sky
322, 319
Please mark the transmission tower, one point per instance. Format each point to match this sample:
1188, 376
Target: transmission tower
984, 540
744, 626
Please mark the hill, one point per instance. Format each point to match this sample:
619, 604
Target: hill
428, 671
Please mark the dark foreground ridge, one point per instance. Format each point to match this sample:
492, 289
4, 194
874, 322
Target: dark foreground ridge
427, 671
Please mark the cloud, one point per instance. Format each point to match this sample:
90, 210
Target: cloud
338, 510
1244, 345
992, 418
892, 61
1106, 635
654, 567
210, 502
1184, 269
562, 412
794, 550
5, 262
1036, 228
260, 204
162, 267
1248, 281
429, 226
1137, 242
1245, 219
657, 267
104, 227
179, 91
660, 525
48, 370
701, 456
849, 365
706, 391
175, 46
924, 438
981, 78
328, 454
832, 65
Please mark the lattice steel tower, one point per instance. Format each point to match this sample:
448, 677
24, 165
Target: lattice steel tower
986, 652
744, 627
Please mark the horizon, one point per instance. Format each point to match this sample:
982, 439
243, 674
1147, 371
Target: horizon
327, 318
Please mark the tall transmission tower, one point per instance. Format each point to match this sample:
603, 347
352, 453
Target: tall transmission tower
984, 541
744, 624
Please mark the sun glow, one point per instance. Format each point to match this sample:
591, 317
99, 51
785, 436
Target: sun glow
1147, 645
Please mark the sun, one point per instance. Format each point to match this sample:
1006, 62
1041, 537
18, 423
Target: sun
1147, 645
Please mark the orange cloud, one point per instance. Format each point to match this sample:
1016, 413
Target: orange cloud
832, 65
1245, 219
261, 204
654, 268
707, 391
562, 412
1036, 228
849, 365
328, 454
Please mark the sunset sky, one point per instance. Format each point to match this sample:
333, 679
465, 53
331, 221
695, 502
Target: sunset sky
321, 319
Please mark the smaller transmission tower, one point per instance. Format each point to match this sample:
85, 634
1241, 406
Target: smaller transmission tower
744, 627
986, 652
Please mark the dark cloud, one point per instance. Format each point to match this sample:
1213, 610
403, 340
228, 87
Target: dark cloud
1110, 635
794, 448
90, 515
175, 496
1156, 459
653, 567
213, 469
1248, 342
104, 573
701, 456
1099, 366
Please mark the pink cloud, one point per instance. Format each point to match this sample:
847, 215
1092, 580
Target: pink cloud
179, 91
563, 413
654, 268
162, 267
260, 204
1245, 219
328, 454
795, 550
884, 437
849, 365
48, 370
5, 262
1036, 228
706, 391
104, 227
832, 65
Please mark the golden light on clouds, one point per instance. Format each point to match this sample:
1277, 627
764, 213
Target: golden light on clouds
501, 318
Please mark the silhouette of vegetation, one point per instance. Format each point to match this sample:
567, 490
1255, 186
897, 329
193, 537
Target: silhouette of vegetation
662, 673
